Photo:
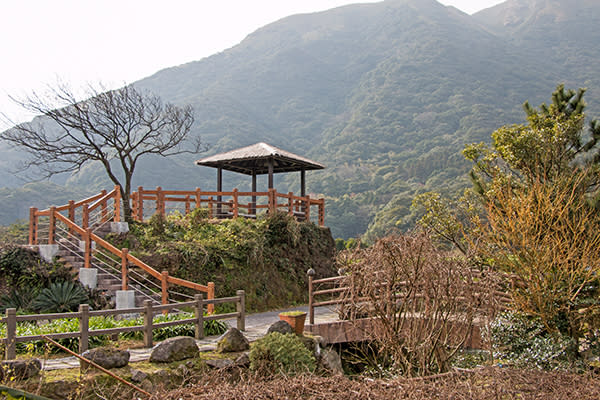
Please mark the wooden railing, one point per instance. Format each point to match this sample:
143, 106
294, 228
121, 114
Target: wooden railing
233, 204
337, 291
91, 212
93, 243
148, 311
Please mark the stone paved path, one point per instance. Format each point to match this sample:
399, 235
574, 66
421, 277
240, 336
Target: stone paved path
256, 327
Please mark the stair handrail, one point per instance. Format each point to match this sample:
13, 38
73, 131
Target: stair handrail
88, 236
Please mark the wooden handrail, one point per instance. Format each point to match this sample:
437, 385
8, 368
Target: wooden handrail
102, 199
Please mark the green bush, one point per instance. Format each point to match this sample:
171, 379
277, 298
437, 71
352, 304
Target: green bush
523, 341
60, 297
278, 353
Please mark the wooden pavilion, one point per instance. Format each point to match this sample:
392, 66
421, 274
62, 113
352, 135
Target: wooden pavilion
259, 159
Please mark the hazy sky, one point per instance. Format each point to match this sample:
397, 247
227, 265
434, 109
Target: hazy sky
120, 41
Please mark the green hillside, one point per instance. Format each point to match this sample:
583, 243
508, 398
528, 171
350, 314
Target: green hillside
385, 95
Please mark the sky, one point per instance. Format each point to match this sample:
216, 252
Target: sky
81, 42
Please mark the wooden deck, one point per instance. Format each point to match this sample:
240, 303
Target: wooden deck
361, 329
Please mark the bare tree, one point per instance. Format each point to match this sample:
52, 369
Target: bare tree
124, 124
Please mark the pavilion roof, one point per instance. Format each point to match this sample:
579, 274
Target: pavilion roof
255, 158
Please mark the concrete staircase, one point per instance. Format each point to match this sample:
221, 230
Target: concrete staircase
71, 253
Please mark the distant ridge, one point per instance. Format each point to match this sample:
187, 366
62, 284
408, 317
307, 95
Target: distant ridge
385, 94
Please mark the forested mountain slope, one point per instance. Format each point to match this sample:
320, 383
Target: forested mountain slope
385, 95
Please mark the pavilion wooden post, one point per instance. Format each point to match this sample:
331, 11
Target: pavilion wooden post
270, 166
219, 190
253, 207
303, 189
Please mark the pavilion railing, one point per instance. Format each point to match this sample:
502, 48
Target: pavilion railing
233, 204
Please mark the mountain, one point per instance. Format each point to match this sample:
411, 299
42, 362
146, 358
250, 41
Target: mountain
386, 95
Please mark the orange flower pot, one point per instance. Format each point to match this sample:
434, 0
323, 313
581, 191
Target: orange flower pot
296, 321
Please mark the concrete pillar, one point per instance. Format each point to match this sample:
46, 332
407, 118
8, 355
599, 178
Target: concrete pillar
119, 227
88, 277
125, 299
48, 251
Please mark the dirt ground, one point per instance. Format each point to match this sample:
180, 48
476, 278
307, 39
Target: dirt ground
482, 384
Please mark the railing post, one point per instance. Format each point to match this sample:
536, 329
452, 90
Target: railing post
87, 257
199, 314
311, 307
134, 205
307, 208
322, 213
84, 327
211, 296
241, 309
290, 203
159, 207
272, 201
52, 226
198, 198
140, 207
210, 207
235, 203
187, 204
103, 207
165, 287
148, 317
85, 218
71, 214
124, 283
117, 202
32, 225
11, 333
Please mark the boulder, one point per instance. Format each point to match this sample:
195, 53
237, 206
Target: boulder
174, 349
138, 376
232, 341
21, 369
106, 357
281, 327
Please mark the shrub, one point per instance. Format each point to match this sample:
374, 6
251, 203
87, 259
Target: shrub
278, 353
524, 341
425, 300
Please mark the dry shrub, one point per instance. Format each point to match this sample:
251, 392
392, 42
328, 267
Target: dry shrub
424, 300
483, 384
547, 236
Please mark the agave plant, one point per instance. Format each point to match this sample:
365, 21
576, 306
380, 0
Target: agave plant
60, 297
19, 299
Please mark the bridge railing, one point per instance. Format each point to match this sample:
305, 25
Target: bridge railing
339, 291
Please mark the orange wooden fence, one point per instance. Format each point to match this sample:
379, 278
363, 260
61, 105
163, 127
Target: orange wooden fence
84, 232
231, 204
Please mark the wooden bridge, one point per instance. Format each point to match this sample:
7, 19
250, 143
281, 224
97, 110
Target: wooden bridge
334, 292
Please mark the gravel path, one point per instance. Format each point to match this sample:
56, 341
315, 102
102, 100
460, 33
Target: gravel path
256, 327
